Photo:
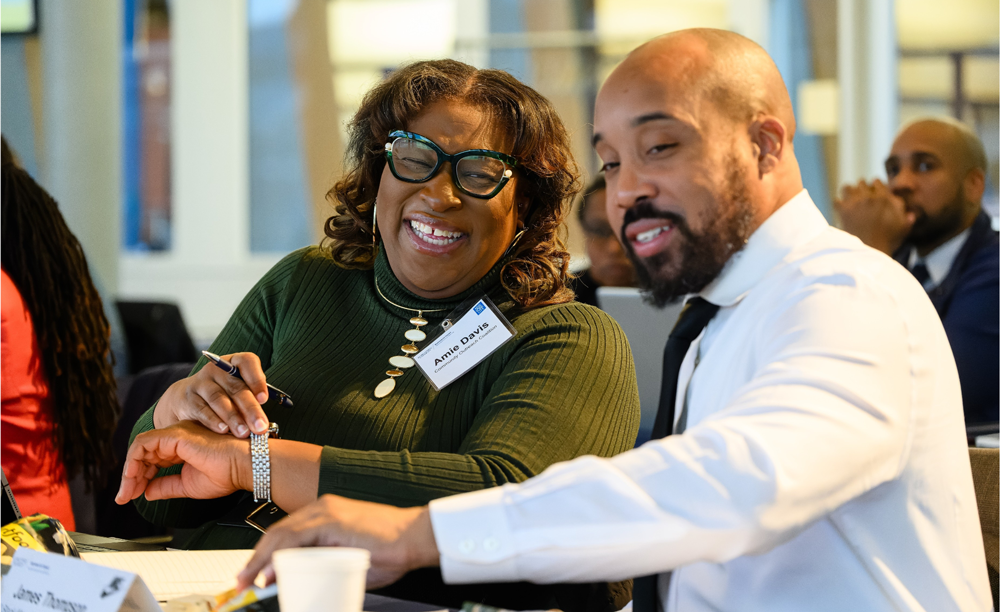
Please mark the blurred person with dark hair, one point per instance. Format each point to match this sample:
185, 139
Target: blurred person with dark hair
58, 390
609, 265
473, 175
930, 219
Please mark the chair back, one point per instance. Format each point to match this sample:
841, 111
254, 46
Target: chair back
156, 335
135, 395
986, 478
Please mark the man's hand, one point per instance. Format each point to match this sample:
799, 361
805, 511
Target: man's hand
215, 465
399, 539
876, 216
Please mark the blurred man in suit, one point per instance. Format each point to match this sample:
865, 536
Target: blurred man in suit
930, 219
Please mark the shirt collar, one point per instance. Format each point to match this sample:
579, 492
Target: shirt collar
794, 223
939, 260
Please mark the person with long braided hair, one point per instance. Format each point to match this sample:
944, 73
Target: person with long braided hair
59, 401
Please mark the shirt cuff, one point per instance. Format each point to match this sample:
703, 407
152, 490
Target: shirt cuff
474, 537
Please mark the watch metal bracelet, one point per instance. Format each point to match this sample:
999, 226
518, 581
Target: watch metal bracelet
260, 463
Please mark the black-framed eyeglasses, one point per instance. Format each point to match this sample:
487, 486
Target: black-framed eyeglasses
480, 173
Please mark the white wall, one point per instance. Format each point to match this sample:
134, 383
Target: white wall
80, 154
867, 75
750, 18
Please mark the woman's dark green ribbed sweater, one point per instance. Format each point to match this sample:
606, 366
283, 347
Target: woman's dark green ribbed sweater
563, 387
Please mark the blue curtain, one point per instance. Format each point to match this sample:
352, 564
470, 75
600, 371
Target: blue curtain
792, 52
131, 133
280, 210
507, 17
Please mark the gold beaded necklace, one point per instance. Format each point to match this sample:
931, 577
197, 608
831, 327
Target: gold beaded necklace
404, 361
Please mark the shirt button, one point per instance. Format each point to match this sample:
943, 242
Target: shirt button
466, 546
491, 544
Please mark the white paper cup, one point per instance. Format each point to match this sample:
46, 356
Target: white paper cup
328, 579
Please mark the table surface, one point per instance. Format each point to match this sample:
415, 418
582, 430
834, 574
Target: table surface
380, 603
373, 603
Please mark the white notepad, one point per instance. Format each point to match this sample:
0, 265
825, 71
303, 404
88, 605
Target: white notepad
175, 573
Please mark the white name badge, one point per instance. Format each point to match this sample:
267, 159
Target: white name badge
470, 339
43, 582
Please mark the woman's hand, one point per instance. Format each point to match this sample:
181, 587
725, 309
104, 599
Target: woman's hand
215, 465
219, 401
400, 539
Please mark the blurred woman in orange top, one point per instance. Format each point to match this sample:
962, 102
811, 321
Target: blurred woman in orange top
59, 404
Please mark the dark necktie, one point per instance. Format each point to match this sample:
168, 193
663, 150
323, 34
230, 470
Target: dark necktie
695, 316
921, 273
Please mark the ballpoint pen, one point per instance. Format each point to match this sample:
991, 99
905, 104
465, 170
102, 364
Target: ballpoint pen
273, 392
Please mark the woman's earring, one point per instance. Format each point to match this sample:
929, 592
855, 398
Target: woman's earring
374, 218
513, 242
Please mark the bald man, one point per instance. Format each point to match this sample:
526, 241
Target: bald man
822, 464
930, 219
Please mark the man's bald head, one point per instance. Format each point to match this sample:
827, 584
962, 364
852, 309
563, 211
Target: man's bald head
722, 67
958, 137
695, 130
938, 168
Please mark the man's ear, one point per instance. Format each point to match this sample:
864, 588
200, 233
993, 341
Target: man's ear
768, 136
974, 185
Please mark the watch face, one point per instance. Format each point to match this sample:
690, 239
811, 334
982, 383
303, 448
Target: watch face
265, 515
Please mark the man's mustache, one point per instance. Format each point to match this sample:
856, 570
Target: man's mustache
646, 210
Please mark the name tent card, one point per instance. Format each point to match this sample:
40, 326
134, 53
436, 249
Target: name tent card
47, 582
469, 338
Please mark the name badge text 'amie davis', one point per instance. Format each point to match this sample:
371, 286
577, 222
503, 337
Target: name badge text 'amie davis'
464, 340
468, 341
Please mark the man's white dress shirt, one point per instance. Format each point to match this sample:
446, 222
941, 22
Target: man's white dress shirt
824, 465
939, 260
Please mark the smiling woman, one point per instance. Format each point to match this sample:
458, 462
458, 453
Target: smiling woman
440, 234
472, 175
484, 109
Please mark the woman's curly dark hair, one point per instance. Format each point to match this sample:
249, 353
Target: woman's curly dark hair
537, 272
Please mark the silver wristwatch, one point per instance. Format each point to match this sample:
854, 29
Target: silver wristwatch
260, 461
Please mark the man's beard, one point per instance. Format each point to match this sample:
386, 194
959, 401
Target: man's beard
928, 230
665, 278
